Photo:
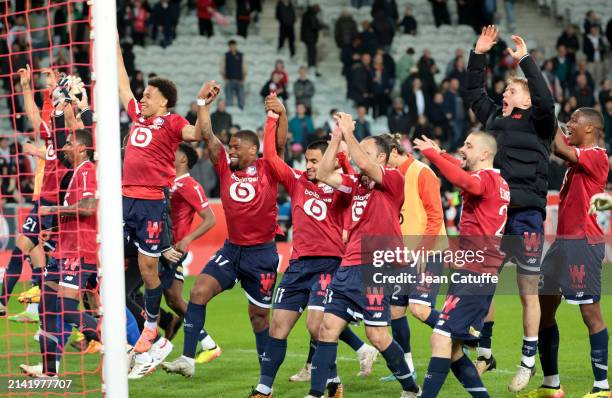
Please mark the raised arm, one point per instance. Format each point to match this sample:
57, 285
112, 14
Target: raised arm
453, 173
274, 104
125, 92
481, 104
32, 111
361, 159
207, 96
204, 126
327, 168
562, 148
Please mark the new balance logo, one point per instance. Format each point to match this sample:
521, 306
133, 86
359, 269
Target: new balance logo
377, 315
375, 295
577, 273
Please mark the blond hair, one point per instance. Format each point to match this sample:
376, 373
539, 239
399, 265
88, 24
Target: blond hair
521, 81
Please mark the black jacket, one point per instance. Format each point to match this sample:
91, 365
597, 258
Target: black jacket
523, 138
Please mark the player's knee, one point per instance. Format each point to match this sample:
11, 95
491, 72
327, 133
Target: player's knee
260, 318
379, 337
420, 311
327, 332
314, 326
397, 311
591, 316
24, 243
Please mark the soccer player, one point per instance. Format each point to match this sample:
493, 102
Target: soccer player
27, 242
147, 168
486, 197
375, 211
422, 222
524, 126
572, 265
248, 194
187, 198
317, 211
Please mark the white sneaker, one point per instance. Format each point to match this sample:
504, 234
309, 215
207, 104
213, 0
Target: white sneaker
312, 396
143, 365
37, 334
2, 310
303, 374
521, 378
160, 350
35, 371
366, 360
179, 366
410, 394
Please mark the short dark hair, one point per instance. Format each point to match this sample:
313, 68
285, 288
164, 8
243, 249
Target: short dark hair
248, 135
166, 88
382, 144
231, 42
190, 153
84, 137
321, 145
593, 116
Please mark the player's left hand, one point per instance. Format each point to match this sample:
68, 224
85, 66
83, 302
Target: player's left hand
424, 143
182, 245
599, 202
209, 91
172, 255
521, 48
25, 75
274, 104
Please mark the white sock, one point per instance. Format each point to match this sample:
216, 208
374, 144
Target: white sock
190, 360
602, 384
528, 361
551, 381
33, 308
362, 349
334, 380
408, 358
208, 344
264, 389
484, 352
150, 325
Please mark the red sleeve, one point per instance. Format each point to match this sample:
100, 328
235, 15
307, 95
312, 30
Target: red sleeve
133, 109
349, 183
278, 168
178, 124
392, 182
345, 163
451, 159
47, 108
222, 163
594, 161
453, 173
87, 184
429, 191
193, 193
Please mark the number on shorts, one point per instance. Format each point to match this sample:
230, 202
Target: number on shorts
30, 224
503, 210
279, 295
396, 290
328, 296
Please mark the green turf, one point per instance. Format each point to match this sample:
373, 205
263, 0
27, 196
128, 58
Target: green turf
233, 374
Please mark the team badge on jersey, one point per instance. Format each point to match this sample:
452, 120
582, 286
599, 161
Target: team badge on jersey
251, 170
158, 121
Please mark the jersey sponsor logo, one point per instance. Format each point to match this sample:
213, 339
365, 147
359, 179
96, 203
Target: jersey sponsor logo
577, 273
141, 137
375, 295
242, 192
153, 229
51, 153
358, 208
266, 282
517, 116
316, 209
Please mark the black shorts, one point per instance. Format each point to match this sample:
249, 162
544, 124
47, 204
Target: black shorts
143, 223
169, 272
572, 267
523, 240
254, 266
75, 273
34, 224
304, 283
419, 293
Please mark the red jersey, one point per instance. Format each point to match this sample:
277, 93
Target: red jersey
582, 180
78, 234
375, 212
249, 201
186, 199
54, 170
150, 153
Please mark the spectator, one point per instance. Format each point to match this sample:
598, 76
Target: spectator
319, 134
440, 12
82, 59
562, 66
192, 114
368, 38
497, 92
279, 67
590, 19
304, 89
361, 3
609, 31
556, 172
256, 8
437, 115
605, 92
388, 62
139, 16
553, 83
595, 50
362, 124
382, 84
427, 69
384, 30
451, 63
275, 85
205, 11
582, 69
220, 119
5, 150
137, 84
405, 64
204, 173
345, 30
233, 70
285, 15
567, 108
422, 127
583, 92
360, 85
417, 99
243, 17
163, 18
300, 126
296, 159
387, 7
509, 8
463, 13
458, 71
128, 58
607, 113
408, 22
454, 108
309, 34
570, 40
398, 119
